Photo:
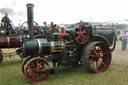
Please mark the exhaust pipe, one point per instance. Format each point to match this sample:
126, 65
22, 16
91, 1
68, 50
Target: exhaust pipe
30, 19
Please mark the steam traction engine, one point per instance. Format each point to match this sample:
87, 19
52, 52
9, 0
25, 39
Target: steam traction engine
8, 39
82, 46
88, 45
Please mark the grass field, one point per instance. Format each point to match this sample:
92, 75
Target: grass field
117, 74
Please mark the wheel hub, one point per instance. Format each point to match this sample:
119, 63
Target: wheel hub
42, 69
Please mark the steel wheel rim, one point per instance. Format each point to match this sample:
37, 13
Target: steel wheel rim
24, 63
40, 36
1, 57
31, 72
81, 34
99, 57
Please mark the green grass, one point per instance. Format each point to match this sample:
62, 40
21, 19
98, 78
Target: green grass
10, 74
117, 73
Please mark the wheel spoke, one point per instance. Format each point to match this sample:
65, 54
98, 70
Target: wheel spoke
41, 64
105, 53
91, 61
92, 55
31, 72
101, 62
34, 75
102, 54
99, 50
37, 62
83, 36
33, 65
83, 32
41, 75
95, 51
38, 66
96, 65
77, 32
31, 68
77, 37
81, 39
100, 58
37, 76
80, 30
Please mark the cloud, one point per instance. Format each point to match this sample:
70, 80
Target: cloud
21, 13
11, 12
13, 2
7, 10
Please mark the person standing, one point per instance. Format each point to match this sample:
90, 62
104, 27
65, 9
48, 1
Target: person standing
46, 28
53, 27
124, 36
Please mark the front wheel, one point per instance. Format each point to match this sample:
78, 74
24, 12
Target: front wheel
96, 57
37, 70
1, 56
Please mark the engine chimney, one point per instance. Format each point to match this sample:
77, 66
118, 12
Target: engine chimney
30, 19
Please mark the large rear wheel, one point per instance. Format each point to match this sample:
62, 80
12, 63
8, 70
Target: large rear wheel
96, 57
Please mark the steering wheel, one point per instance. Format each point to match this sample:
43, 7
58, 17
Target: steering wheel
81, 34
23, 29
37, 30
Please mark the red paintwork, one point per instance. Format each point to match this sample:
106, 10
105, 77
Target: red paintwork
36, 31
10, 42
81, 34
63, 35
100, 57
32, 67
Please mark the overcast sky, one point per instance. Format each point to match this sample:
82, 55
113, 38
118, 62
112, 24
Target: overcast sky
67, 11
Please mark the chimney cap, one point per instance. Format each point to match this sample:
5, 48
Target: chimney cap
30, 5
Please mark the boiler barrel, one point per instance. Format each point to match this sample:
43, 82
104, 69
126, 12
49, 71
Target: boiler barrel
10, 42
42, 47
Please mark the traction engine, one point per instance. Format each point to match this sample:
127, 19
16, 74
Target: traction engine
88, 45
9, 40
